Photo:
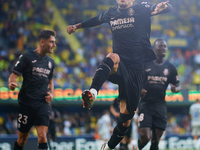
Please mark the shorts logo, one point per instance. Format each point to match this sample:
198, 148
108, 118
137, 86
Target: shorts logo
141, 118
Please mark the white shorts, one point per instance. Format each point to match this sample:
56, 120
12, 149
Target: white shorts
196, 130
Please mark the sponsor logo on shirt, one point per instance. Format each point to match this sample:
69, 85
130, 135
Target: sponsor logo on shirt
157, 79
122, 23
40, 71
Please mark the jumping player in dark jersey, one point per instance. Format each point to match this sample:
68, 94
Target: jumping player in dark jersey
37, 89
153, 108
130, 26
114, 109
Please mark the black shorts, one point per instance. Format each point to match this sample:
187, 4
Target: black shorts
29, 116
152, 116
130, 83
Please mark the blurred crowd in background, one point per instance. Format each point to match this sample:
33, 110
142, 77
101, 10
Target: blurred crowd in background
85, 122
20, 21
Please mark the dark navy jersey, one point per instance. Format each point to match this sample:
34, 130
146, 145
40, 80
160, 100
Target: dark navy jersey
130, 32
37, 71
158, 77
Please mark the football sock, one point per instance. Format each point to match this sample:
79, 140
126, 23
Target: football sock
126, 146
117, 136
17, 147
102, 73
42, 146
140, 145
94, 92
154, 146
121, 146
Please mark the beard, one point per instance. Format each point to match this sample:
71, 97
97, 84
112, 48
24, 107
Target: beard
123, 5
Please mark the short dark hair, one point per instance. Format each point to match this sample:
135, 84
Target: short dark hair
45, 34
159, 39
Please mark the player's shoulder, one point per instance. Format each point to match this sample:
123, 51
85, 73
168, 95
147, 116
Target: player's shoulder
112, 11
50, 59
149, 64
194, 105
25, 55
170, 65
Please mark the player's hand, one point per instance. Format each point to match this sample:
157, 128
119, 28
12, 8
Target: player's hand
71, 29
49, 97
12, 85
160, 7
143, 93
173, 88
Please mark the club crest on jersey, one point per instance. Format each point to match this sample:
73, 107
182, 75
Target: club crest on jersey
49, 65
130, 12
166, 72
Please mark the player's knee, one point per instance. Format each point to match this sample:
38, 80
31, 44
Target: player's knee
122, 129
42, 138
124, 122
125, 119
144, 137
21, 142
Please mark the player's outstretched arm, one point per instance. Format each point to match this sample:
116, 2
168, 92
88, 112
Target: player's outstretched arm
72, 28
160, 7
91, 22
12, 81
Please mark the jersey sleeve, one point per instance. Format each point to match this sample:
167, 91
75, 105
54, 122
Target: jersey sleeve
99, 19
20, 65
107, 15
146, 7
174, 79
